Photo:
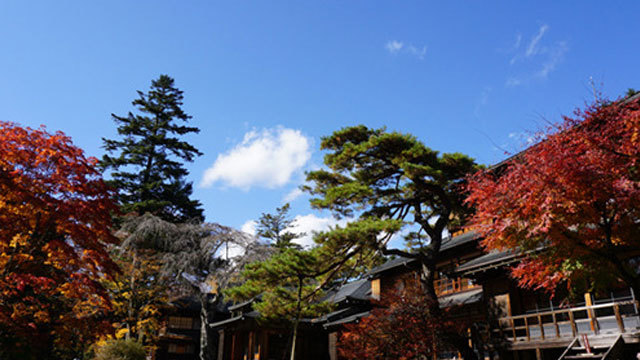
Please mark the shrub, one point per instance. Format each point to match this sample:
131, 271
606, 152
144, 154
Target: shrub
121, 350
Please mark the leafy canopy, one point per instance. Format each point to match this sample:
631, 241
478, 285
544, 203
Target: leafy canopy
378, 176
54, 227
399, 327
573, 197
146, 163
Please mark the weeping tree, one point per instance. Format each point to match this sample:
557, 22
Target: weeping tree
193, 261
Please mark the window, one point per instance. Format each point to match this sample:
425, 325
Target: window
181, 322
181, 348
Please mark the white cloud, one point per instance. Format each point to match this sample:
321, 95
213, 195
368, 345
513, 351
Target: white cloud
536, 59
523, 138
516, 45
419, 52
250, 227
533, 48
482, 101
307, 224
311, 223
292, 195
393, 46
512, 81
267, 158
555, 56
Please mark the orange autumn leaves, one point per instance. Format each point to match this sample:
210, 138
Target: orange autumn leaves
54, 225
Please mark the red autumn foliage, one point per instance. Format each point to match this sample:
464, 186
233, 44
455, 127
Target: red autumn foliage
54, 224
400, 328
573, 199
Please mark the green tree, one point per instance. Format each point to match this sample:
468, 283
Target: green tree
290, 285
285, 285
286, 288
276, 228
146, 162
374, 176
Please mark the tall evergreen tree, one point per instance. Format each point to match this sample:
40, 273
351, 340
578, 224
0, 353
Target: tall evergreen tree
146, 162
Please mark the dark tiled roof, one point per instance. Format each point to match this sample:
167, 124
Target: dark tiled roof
458, 240
240, 305
227, 321
448, 243
494, 258
391, 264
347, 319
463, 298
358, 289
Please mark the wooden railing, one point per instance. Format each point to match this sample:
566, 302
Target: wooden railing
450, 286
614, 317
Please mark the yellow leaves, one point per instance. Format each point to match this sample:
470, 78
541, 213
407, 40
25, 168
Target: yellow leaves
121, 333
41, 316
19, 240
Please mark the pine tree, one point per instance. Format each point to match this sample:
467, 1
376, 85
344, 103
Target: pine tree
375, 176
146, 166
276, 228
284, 286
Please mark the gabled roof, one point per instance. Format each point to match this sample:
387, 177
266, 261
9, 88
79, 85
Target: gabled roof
398, 262
358, 290
403, 262
494, 259
462, 298
464, 238
347, 319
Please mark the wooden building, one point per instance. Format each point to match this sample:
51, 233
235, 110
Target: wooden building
244, 336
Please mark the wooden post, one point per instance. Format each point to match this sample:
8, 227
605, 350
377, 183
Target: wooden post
555, 324
541, 327
538, 354
526, 327
233, 346
616, 310
375, 289
574, 330
592, 316
221, 344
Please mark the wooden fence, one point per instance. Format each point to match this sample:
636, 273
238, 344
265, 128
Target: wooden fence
613, 317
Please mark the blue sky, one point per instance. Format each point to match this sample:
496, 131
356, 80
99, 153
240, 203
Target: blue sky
264, 80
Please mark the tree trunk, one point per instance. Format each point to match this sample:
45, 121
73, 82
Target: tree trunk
294, 339
297, 319
132, 284
207, 349
427, 277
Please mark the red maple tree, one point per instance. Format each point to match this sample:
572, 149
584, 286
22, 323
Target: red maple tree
401, 328
572, 200
54, 224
